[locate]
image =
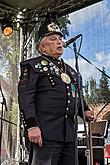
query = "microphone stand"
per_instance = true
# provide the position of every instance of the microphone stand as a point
(1, 123)
(80, 93)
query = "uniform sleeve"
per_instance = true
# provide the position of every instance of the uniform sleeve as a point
(27, 89)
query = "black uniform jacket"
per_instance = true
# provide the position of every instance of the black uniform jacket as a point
(45, 100)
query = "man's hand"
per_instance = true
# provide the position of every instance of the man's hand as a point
(34, 135)
(89, 115)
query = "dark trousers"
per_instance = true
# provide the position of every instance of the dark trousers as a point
(53, 153)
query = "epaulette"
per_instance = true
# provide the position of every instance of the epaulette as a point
(26, 65)
(30, 61)
(38, 64)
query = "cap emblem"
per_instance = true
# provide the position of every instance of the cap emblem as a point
(53, 27)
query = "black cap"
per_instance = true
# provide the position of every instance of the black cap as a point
(48, 27)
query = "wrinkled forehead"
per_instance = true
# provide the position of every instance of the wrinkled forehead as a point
(53, 35)
(49, 37)
(57, 35)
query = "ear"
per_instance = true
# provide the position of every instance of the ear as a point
(42, 48)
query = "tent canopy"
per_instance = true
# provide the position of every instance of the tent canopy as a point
(39, 7)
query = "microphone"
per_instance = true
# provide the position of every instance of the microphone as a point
(65, 44)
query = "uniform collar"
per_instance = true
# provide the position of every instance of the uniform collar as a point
(56, 60)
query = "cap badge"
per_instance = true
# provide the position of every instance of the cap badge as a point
(53, 27)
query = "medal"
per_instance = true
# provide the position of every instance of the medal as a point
(65, 78)
(44, 62)
(38, 65)
(51, 64)
(45, 69)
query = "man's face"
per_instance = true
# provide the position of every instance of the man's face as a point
(52, 45)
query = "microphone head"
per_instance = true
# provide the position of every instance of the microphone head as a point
(67, 43)
(64, 44)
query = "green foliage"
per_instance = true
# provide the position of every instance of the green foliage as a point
(104, 92)
(13, 116)
(9, 62)
(87, 91)
(96, 94)
(64, 21)
(93, 92)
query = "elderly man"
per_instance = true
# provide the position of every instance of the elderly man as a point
(47, 99)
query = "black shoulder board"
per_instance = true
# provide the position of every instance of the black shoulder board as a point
(26, 66)
(25, 72)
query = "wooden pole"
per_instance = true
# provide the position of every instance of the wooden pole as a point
(90, 141)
